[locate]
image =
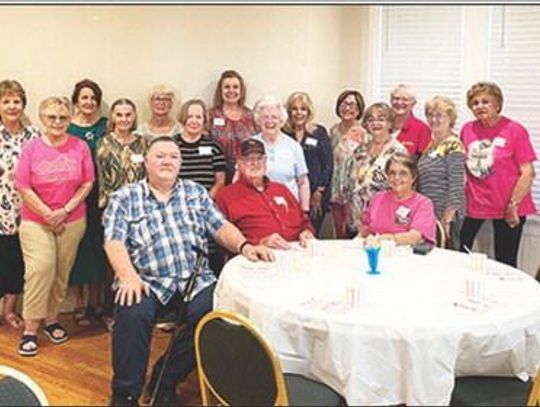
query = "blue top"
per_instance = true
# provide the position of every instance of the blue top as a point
(160, 236)
(285, 162)
(319, 158)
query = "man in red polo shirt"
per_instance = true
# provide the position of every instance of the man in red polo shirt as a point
(265, 211)
(414, 134)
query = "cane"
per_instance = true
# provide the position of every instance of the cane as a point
(186, 299)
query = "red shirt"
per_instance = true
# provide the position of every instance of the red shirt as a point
(260, 213)
(415, 135)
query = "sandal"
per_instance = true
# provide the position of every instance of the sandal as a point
(81, 317)
(13, 320)
(25, 340)
(49, 331)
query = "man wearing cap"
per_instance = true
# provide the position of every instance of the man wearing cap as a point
(153, 231)
(414, 134)
(266, 212)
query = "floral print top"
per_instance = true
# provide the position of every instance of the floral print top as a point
(10, 200)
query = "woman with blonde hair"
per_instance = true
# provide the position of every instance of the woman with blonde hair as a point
(441, 168)
(231, 121)
(162, 101)
(315, 143)
(14, 135)
(54, 176)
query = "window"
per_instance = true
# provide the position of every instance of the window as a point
(421, 46)
(514, 61)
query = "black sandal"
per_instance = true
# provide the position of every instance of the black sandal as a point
(26, 339)
(55, 326)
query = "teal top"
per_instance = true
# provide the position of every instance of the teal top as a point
(91, 134)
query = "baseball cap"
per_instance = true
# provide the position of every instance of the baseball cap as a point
(252, 145)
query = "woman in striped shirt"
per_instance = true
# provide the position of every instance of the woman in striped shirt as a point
(442, 168)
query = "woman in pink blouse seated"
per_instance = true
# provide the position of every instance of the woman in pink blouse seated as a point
(401, 213)
(54, 175)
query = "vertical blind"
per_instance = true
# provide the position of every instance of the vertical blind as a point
(422, 46)
(514, 64)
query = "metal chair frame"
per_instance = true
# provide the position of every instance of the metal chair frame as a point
(27, 381)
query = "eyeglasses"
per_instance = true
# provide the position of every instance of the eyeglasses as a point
(398, 174)
(56, 118)
(400, 99)
(436, 116)
(348, 104)
(161, 99)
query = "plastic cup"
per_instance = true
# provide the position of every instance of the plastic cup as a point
(388, 248)
(478, 262)
(373, 259)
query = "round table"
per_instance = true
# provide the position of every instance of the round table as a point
(410, 330)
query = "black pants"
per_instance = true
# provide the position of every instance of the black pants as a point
(132, 336)
(506, 238)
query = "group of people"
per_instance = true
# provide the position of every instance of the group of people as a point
(96, 201)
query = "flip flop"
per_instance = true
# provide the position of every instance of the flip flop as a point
(49, 331)
(26, 339)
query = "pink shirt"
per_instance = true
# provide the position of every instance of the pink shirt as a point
(386, 214)
(415, 135)
(54, 174)
(493, 158)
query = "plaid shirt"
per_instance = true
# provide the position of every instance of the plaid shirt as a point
(160, 236)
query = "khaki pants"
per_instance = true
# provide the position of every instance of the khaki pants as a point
(48, 259)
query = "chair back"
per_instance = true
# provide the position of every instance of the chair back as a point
(235, 364)
(18, 389)
(534, 394)
(441, 235)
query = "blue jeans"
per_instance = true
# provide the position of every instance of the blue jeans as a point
(132, 336)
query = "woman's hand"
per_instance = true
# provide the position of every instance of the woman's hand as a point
(511, 216)
(275, 241)
(305, 236)
(130, 289)
(315, 203)
(56, 217)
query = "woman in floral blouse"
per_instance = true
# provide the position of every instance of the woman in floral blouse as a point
(367, 171)
(14, 134)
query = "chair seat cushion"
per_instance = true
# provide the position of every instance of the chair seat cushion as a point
(490, 391)
(303, 391)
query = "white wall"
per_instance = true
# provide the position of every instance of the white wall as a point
(127, 49)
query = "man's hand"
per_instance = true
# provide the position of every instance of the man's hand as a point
(305, 236)
(130, 289)
(275, 241)
(259, 252)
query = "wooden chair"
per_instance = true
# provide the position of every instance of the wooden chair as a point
(18, 389)
(236, 366)
(441, 235)
(496, 391)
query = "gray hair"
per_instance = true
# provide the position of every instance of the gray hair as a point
(270, 101)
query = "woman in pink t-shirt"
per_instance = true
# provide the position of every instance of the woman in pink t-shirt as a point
(54, 175)
(499, 157)
(401, 213)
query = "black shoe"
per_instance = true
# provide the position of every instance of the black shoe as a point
(123, 400)
(167, 397)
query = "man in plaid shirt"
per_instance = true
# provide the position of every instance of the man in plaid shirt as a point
(152, 230)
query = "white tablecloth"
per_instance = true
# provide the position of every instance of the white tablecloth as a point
(412, 332)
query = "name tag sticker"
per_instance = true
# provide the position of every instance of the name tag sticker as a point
(219, 121)
(205, 150)
(310, 141)
(137, 158)
(432, 154)
(280, 200)
(402, 211)
(499, 142)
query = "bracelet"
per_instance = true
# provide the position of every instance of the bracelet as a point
(241, 247)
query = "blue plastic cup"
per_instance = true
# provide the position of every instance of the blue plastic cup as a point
(373, 259)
